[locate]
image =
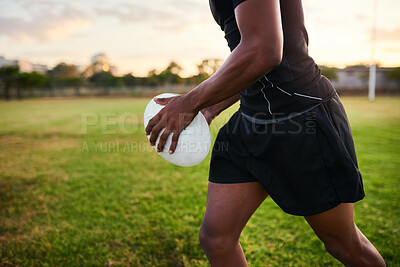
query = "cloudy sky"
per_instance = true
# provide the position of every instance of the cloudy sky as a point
(141, 35)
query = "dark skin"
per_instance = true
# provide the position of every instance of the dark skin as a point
(229, 206)
(209, 113)
(260, 50)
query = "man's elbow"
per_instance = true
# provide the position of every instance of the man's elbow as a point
(276, 58)
(271, 56)
(265, 56)
(266, 60)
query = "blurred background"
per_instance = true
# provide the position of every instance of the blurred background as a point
(81, 186)
(129, 46)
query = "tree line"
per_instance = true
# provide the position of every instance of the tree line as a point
(13, 82)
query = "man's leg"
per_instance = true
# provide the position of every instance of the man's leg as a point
(342, 238)
(229, 207)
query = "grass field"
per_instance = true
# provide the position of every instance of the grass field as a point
(80, 186)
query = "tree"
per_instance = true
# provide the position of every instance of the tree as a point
(330, 73)
(174, 68)
(205, 69)
(75, 82)
(152, 78)
(105, 80)
(209, 66)
(394, 74)
(63, 70)
(31, 80)
(171, 74)
(8, 78)
(65, 75)
(129, 80)
(99, 63)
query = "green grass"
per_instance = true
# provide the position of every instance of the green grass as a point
(71, 198)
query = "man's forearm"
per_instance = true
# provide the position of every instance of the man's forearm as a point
(216, 109)
(213, 111)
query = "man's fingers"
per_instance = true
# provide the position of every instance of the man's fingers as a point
(152, 122)
(174, 142)
(154, 133)
(163, 140)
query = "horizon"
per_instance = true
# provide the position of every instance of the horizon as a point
(73, 32)
(116, 74)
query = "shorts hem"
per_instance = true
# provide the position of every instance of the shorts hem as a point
(239, 181)
(320, 210)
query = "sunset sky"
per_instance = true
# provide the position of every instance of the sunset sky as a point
(142, 35)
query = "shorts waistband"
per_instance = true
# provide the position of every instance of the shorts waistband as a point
(271, 121)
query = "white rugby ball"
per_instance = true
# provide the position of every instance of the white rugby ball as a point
(194, 141)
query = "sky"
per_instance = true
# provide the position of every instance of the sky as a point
(139, 36)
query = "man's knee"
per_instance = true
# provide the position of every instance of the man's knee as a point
(216, 241)
(336, 248)
(348, 251)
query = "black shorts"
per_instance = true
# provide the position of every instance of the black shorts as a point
(307, 163)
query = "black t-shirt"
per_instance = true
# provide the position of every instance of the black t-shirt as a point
(293, 86)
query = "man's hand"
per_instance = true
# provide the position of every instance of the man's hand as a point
(174, 117)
